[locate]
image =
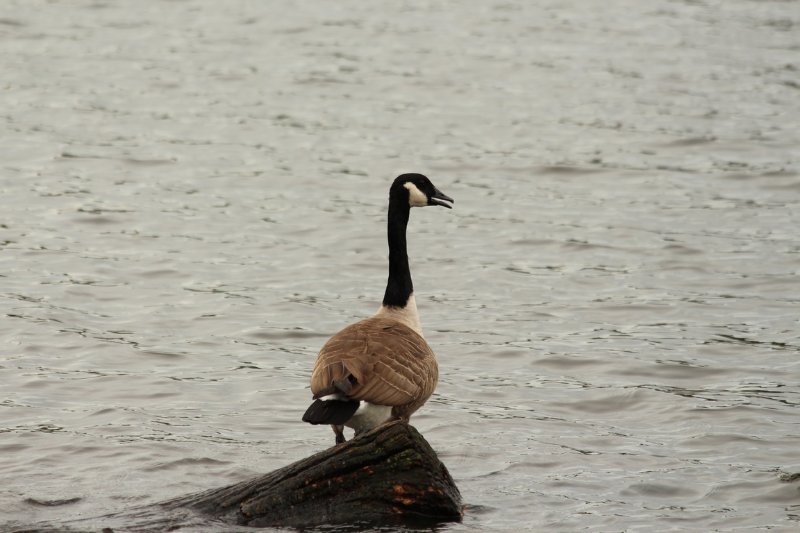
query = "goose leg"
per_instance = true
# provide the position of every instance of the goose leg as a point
(339, 432)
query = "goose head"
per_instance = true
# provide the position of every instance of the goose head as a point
(420, 191)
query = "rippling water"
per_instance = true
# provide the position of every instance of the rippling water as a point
(194, 198)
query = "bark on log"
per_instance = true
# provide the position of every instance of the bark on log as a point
(390, 475)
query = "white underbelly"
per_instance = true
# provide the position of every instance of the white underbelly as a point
(369, 415)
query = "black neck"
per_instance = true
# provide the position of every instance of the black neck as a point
(399, 286)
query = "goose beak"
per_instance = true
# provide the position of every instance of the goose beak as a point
(440, 198)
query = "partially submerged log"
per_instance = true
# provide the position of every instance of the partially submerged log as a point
(390, 475)
(387, 477)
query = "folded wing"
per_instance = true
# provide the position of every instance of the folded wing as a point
(380, 361)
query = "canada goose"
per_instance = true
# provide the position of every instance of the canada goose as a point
(380, 368)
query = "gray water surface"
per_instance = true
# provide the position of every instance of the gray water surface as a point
(193, 200)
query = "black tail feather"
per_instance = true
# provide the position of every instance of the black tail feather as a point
(330, 411)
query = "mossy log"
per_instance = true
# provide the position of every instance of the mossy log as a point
(390, 475)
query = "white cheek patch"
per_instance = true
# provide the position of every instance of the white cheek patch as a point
(416, 198)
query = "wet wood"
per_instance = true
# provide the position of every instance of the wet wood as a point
(390, 475)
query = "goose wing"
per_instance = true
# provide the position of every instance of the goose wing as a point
(377, 360)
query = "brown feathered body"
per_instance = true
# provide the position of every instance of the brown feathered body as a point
(380, 361)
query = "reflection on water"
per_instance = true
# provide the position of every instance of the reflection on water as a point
(194, 200)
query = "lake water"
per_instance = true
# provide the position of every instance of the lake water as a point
(193, 200)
